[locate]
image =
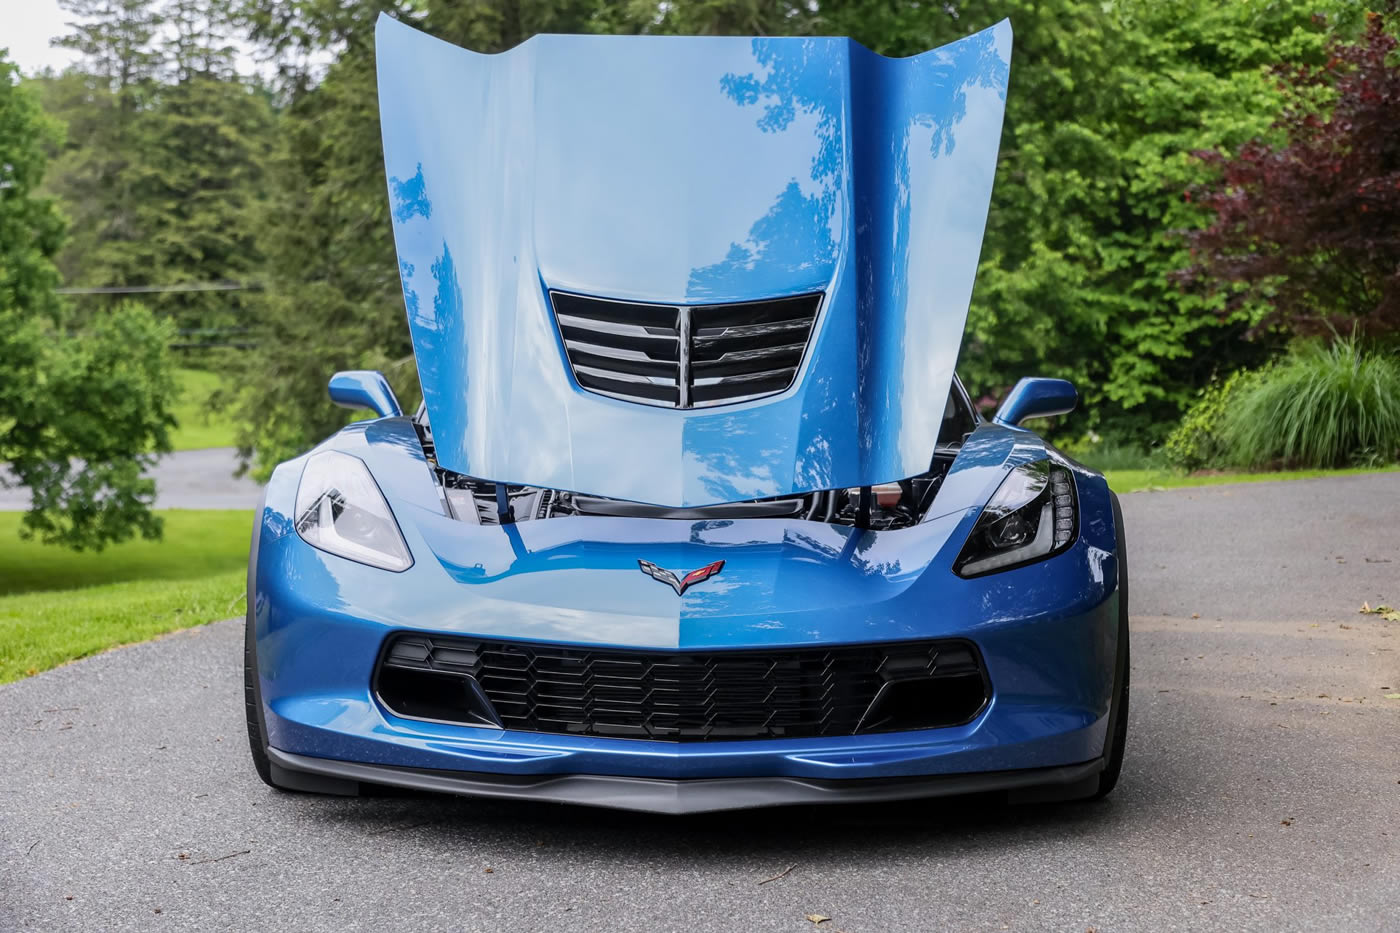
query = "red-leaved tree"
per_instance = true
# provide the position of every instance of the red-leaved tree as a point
(1309, 227)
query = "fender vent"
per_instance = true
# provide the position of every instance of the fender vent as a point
(685, 356)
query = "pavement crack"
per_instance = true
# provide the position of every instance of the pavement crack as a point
(206, 861)
(781, 874)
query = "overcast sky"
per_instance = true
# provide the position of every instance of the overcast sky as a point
(26, 26)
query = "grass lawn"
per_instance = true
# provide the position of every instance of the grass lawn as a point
(1135, 480)
(57, 605)
(198, 428)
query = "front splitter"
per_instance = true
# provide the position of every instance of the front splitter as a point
(654, 795)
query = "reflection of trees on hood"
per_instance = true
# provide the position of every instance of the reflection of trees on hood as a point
(796, 232)
(858, 542)
(410, 197)
(804, 78)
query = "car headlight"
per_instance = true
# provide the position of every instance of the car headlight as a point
(1033, 515)
(341, 510)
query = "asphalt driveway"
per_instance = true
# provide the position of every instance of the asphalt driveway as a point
(1261, 789)
(185, 479)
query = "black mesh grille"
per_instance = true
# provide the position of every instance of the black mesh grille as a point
(685, 356)
(686, 696)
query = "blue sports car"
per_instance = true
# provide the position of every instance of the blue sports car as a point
(695, 514)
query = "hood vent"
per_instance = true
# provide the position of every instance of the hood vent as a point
(685, 356)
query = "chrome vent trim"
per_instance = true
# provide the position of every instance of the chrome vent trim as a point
(685, 356)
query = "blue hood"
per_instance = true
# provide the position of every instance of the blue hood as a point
(688, 171)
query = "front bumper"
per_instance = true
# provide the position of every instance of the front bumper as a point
(1051, 679)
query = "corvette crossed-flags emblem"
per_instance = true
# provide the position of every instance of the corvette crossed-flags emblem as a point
(684, 583)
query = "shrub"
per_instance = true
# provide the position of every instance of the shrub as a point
(1197, 441)
(1323, 405)
(1110, 453)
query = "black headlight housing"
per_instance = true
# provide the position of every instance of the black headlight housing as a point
(1033, 515)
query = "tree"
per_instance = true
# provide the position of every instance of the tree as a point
(102, 172)
(333, 299)
(162, 170)
(115, 37)
(212, 137)
(1308, 223)
(80, 413)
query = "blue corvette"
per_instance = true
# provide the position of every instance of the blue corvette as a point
(695, 514)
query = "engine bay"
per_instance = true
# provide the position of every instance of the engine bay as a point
(883, 507)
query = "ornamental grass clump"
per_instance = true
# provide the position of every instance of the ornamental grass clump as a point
(1323, 405)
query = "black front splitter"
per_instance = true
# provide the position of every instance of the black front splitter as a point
(691, 795)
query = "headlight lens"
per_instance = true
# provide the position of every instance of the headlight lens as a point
(1033, 515)
(341, 510)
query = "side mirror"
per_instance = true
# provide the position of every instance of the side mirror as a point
(365, 388)
(1036, 398)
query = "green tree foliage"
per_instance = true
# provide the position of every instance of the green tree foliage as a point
(1198, 441)
(103, 174)
(163, 169)
(333, 299)
(115, 39)
(79, 413)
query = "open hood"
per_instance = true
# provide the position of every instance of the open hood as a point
(593, 233)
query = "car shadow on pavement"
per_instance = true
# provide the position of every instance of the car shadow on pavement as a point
(456, 823)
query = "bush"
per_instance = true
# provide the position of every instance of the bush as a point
(1197, 442)
(1323, 405)
(1110, 453)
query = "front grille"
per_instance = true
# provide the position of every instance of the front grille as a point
(685, 356)
(683, 696)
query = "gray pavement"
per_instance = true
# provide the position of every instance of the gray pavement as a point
(186, 479)
(1261, 789)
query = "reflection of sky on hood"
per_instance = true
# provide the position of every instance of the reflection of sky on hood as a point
(688, 170)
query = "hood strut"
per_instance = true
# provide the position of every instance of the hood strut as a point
(503, 509)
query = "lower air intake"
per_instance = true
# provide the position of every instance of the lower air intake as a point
(683, 696)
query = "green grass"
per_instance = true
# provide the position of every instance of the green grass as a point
(198, 428)
(1134, 480)
(57, 605)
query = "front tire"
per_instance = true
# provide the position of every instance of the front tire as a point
(252, 696)
(1118, 713)
(252, 703)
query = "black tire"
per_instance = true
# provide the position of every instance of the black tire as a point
(257, 740)
(1118, 714)
(252, 696)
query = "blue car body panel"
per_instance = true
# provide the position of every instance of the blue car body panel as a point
(688, 171)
